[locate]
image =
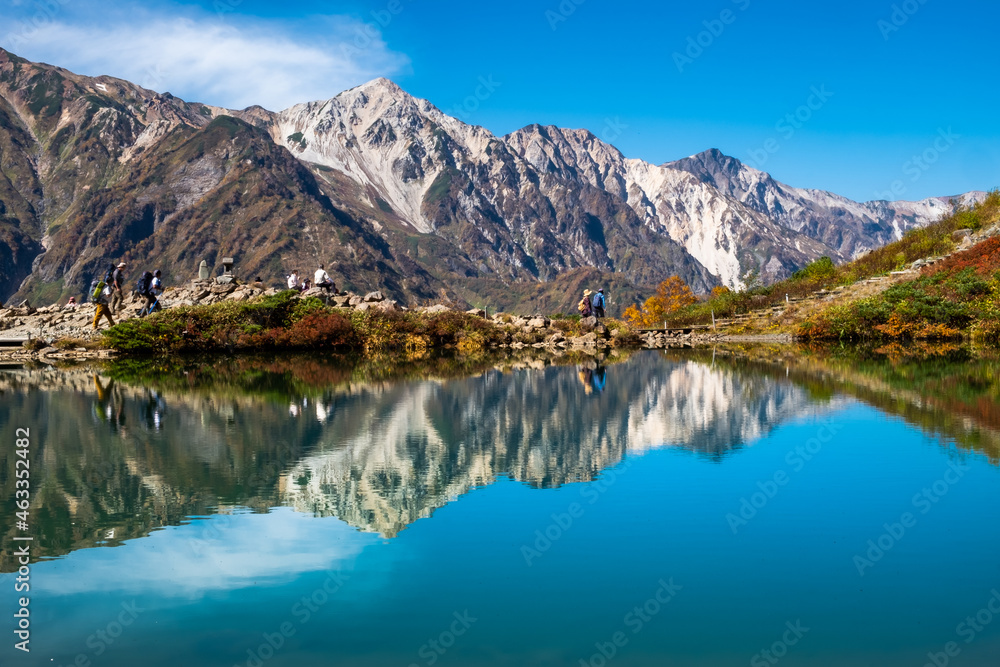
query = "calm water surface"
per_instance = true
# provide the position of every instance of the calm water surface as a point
(673, 509)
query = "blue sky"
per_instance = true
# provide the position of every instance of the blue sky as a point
(869, 85)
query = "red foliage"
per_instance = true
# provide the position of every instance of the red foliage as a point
(983, 257)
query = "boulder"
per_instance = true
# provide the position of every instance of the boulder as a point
(362, 307)
(386, 306)
(435, 309)
(478, 312)
(356, 301)
(539, 322)
(318, 292)
(374, 296)
(341, 301)
(588, 323)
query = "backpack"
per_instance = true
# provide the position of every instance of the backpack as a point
(110, 274)
(98, 289)
(142, 287)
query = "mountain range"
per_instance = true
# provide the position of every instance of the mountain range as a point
(391, 194)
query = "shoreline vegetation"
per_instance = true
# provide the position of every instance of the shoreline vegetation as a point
(940, 282)
(287, 321)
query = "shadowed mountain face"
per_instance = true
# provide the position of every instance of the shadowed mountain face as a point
(125, 459)
(389, 193)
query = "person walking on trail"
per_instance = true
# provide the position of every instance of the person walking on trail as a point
(322, 279)
(103, 309)
(584, 306)
(599, 304)
(142, 289)
(118, 287)
(153, 290)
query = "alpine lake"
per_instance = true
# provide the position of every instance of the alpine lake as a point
(693, 507)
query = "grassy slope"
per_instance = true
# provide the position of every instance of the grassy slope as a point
(946, 298)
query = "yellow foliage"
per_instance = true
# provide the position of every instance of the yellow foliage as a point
(671, 295)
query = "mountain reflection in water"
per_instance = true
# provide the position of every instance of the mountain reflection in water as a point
(116, 456)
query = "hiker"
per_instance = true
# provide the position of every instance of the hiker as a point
(305, 286)
(293, 281)
(258, 283)
(71, 304)
(599, 304)
(584, 305)
(143, 288)
(322, 279)
(153, 292)
(102, 299)
(118, 287)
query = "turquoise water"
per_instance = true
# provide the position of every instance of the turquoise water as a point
(675, 512)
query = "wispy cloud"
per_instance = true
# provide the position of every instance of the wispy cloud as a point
(225, 60)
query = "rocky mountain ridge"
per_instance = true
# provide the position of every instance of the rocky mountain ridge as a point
(389, 192)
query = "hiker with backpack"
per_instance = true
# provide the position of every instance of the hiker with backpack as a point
(599, 304)
(584, 305)
(142, 288)
(118, 287)
(150, 287)
(102, 297)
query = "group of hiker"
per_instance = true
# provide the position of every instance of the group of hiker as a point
(592, 305)
(321, 279)
(109, 294)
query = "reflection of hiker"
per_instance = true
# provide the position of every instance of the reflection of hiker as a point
(599, 378)
(599, 304)
(103, 309)
(102, 408)
(322, 279)
(117, 287)
(586, 379)
(584, 305)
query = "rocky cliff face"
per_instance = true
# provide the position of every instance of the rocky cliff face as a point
(389, 192)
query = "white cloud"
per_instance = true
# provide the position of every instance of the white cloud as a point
(233, 62)
(225, 552)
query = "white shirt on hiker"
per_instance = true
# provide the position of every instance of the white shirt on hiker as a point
(293, 281)
(321, 277)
